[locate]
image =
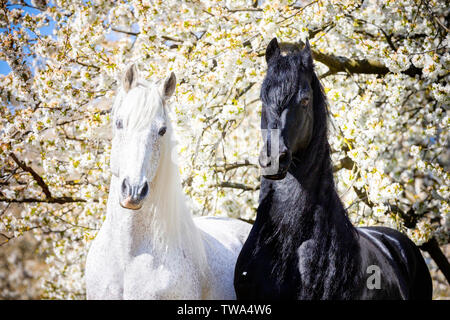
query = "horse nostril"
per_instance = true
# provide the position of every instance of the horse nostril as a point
(144, 190)
(125, 187)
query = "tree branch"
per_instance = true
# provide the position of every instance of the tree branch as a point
(45, 189)
(33, 173)
(85, 64)
(339, 63)
(131, 33)
(344, 163)
(356, 66)
(59, 200)
(171, 39)
(232, 166)
(245, 10)
(235, 185)
(250, 221)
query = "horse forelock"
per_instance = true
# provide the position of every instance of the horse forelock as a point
(139, 106)
(283, 76)
(281, 82)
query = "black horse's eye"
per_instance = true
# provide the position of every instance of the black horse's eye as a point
(119, 124)
(162, 131)
(304, 102)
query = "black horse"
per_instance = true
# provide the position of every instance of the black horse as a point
(302, 245)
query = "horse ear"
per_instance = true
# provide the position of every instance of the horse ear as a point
(307, 56)
(273, 49)
(130, 78)
(169, 86)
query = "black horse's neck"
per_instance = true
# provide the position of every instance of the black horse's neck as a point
(305, 206)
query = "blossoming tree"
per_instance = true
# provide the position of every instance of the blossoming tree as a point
(384, 66)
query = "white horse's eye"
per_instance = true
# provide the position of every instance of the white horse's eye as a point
(119, 124)
(162, 131)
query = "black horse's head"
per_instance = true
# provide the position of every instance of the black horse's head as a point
(287, 106)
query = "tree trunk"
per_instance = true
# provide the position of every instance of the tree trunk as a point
(432, 247)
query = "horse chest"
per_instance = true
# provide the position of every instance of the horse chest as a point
(145, 278)
(259, 278)
(111, 273)
(103, 271)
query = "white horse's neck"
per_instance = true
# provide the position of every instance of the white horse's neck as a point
(163, 225)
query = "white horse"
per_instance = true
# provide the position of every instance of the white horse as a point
(149, 246)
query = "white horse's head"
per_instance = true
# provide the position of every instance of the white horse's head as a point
(140, 122)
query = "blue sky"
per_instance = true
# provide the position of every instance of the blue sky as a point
(48, 30)
(4, 67)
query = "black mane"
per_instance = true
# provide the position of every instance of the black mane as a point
(305, 206)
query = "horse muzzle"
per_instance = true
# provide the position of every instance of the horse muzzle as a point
(278, 176)
(132, 195)
(275, 170)
(129, 203)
